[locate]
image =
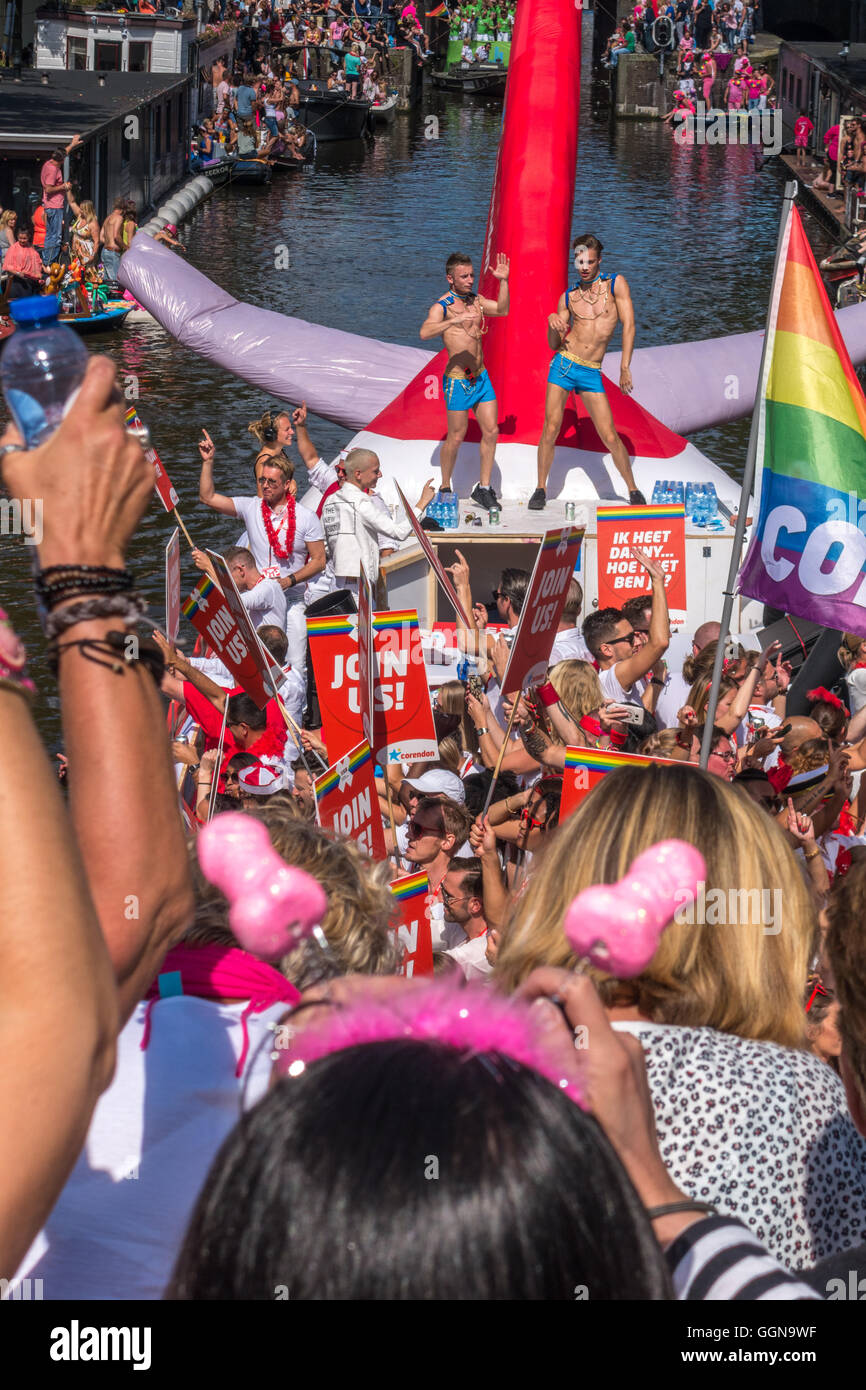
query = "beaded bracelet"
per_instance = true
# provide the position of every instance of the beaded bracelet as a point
(108, 606)
(77, 581)
(120, 649)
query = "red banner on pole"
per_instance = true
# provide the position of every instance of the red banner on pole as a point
(207, 611)
(433, 559)
(585, 767)
(366, 660)
(411, 892)
(161, 481)
(172, 586)
(267, 667)
(347, 801)
(403, 725)
(660, 531)
(542, 608)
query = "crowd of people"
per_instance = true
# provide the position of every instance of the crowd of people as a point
(713, 1117)
(694, 26)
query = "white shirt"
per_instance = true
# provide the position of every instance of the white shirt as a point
(118, 1224)
(614, 691)
(568, 645)
(671, 699)
(266, 603)
(213, 668)
(307, 528)
(353, 526)
(471, 956)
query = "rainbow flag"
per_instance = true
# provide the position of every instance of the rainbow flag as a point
(400, 618)
(355, 760)
(659, 511)
(606, 759)
(434, 14)
(201, 590)
(410, 886)
(807, 553)
(322, 627)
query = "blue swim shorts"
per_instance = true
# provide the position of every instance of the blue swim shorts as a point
(465, 393)
(571, 376)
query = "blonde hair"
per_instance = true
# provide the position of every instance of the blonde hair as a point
(267, 421)
(739, 979)
(450, 753)
(281, 461)
(87, 211)
(578, 686)
(699, 695)
(451, 699)
(7, 216)
(668, 743)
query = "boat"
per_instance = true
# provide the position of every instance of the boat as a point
(383, 112)
(100, 322)
(473, 79)
(332, 115)
(250, 171)
(217, 170)
(285, 162)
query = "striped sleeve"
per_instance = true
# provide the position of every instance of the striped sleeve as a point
(719, 1259)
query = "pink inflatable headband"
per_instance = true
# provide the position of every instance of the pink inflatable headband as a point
(469, 1018)
(272, 906)
(617, 926)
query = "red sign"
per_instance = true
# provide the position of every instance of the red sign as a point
(347, 801)
(413, 930)
(435, 563)
(235, 605)
(172, 586)
(207, 611)
(161, 481)
(542, 608)
(366, 666)
(660, 532)
(403, 727)
(585, 767)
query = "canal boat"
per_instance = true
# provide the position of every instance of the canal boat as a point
(332, 115)
(285, 162)
(217, 170)
(250, 171)
(111, 317)
(473, 79)
(383, 112)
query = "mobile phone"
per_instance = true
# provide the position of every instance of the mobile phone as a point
(782, 731)
(475, 686)
(631, 714)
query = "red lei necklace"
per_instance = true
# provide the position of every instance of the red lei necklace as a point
(281, 552)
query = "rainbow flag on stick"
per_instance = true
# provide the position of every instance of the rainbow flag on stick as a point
(808, 555)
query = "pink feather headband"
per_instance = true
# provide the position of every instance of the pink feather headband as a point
(470, 1018)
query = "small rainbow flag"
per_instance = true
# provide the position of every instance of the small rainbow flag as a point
(606, 759)
(553, 539)
(321, 627)
(404, 617)
(354, 760)
(131, 416)
(434, 14)
(807, 554)
(662, 511)
(201, 590)
(410, 886)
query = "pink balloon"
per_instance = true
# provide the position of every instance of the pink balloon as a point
(619, 925)
(272, 906)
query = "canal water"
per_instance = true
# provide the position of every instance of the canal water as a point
(367, 231)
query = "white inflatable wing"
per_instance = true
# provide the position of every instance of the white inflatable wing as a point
(342, 376)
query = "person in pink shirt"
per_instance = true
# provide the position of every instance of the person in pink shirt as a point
(831, 145)
(53, 199)
(735, 93)
(803, 128)
(23, 264)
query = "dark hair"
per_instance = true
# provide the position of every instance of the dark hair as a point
(238, 761)
(634, 608)
(513, 585)
(830, 720)
(275, 640)
(470, 875)
(592, 243)
(477, 786)
(456, 258)
(242, 709)
(555, 1212)
(600, 627)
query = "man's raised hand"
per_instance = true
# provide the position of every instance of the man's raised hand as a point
(502, 268)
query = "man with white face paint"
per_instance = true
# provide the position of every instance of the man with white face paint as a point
(579, 332)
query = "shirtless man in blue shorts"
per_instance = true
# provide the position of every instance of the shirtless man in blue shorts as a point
(580, 331)
(459, 317)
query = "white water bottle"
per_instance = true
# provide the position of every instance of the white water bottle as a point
(42, 367)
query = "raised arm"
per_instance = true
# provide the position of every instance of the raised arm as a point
(498, 308)
(630, 670)
(206, 490)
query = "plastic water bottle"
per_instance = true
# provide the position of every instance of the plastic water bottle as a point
(455, 511)
(657, 493)
(42, 367)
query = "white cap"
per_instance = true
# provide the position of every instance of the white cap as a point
(260, 781)
(438, 782)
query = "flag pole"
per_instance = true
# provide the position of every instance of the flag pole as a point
(745, 491)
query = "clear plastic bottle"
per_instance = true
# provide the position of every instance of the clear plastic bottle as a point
(454, 507)
(42, 367)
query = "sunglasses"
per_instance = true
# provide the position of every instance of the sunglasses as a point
(729, 757)
(416, 829)
(530, 820)
(631, 638)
